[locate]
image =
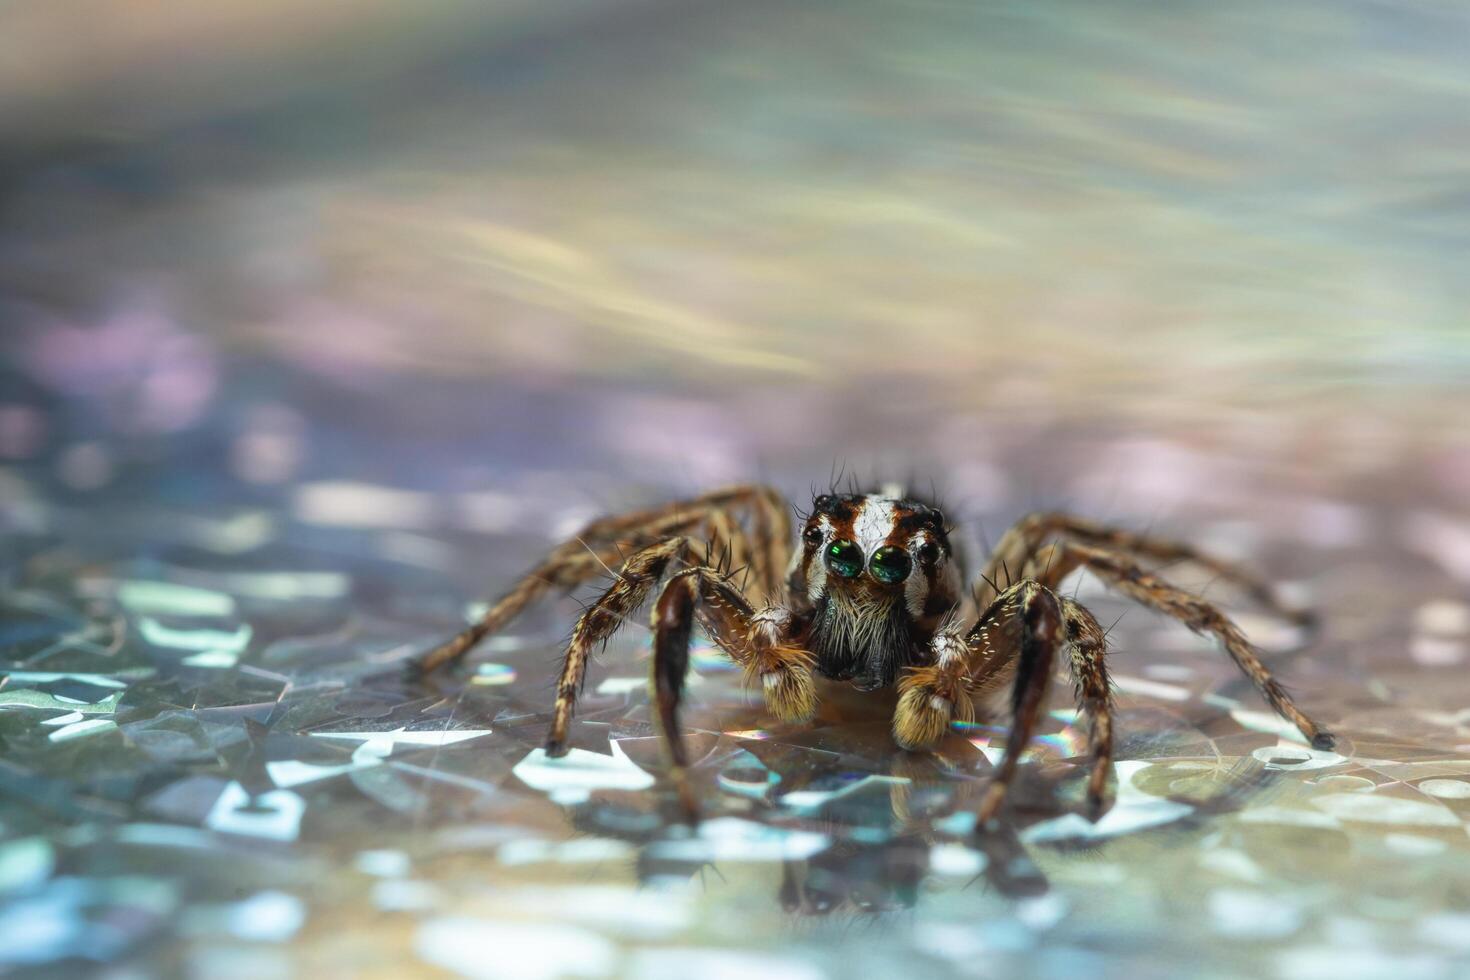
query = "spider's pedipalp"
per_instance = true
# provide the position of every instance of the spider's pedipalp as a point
(781, 667)
(933, 696)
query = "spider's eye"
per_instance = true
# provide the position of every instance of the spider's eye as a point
(812, 535)
(928, 552)
(845, 558)
(890, 564)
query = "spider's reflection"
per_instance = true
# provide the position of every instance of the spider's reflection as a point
(850, 875)
(880, 836)
(858, 877)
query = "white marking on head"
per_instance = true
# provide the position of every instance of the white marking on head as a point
(874, 522)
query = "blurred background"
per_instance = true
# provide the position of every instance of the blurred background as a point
(1187, 219)
(340, 313)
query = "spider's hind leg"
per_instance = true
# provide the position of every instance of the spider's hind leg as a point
(557, 572)
(1201, 617)
(1036, 547)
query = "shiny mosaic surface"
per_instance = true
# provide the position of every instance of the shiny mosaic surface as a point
(312, 345)
(212, 759)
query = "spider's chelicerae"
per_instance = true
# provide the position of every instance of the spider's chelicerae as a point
(872, 594)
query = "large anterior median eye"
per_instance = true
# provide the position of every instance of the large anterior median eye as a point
(890, 564)
(845, 558)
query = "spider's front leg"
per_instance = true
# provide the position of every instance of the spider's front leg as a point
(758, 642)
(1023, 628)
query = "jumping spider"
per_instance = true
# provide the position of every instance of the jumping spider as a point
(872, 595)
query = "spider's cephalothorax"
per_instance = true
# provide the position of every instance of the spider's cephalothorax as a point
(874, 577)
(872, 595)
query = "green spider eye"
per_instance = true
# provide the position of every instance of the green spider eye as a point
(890, 564)
(845, 558)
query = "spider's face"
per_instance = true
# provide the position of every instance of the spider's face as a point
(873, 548)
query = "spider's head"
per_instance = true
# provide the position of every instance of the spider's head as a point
(873, 548)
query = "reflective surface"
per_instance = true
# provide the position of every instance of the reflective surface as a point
(309, 350)
(212, 760)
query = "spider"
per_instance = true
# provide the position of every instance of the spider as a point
(872, 595)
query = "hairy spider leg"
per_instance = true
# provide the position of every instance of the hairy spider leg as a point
(1040, 614)
(1089, 646)
(1025, 546)
(726, 617)
(605, 541)
(771, 518)
(1199, 615)
(1021, 629)
(673, 620)
(629, 590)
(730, 546)
(554, 574)
(759, 642)
(766, 508)
(619, 526)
